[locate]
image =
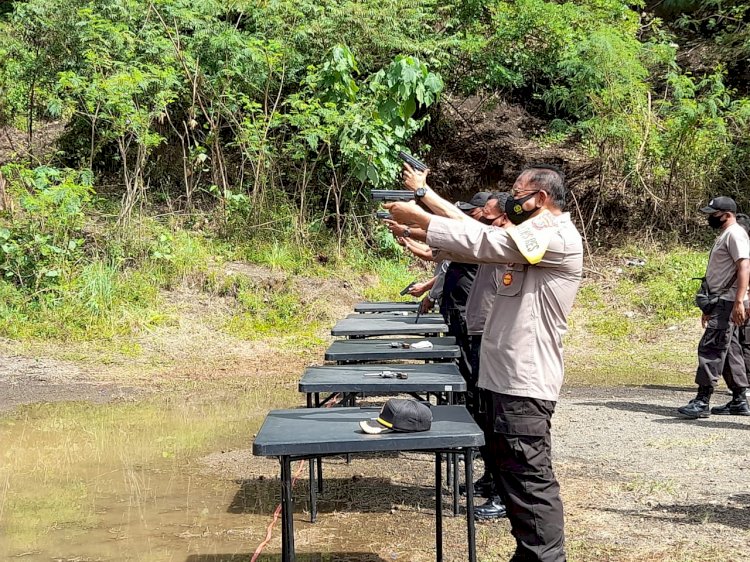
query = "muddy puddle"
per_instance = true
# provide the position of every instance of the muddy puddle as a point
(129, 481)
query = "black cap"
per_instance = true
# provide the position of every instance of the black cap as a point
(399, 414)
(720, 204)
(477, 201)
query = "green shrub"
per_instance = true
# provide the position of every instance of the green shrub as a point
(43, 239)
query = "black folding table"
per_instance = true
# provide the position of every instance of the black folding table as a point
(440, 379)
(367, 325)
(358, 350)
(367, 307)
(308, 433)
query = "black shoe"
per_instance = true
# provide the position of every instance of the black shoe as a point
(492, 509)
(484, 487)
(696, 408)
(732, 408)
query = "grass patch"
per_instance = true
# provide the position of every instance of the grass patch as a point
(392, 277)
(274, 312)
(637, 323)
(643, 487)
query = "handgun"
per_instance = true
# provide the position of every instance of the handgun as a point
(384, 215)
(413, 162)
(407, 288)
(388, 375)
(392, 195)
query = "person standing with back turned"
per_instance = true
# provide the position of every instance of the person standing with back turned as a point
(521, 361)
(720, 350)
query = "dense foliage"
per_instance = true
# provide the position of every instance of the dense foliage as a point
(274, 119)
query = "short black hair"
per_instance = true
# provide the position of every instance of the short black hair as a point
(549, 178)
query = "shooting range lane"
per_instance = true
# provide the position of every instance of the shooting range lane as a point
(380, 350)
(375, 325)
(367, 307)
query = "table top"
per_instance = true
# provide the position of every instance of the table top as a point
(386, 306)
(377, 325)
(433, 377)
(332, 431)
(380, 350)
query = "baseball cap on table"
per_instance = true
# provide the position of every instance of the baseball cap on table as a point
(399, 414)
(478, 200)
(720, 204)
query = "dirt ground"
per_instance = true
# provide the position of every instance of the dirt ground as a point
(639, 483)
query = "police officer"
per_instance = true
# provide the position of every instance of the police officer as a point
(720, 351)
(521, 355)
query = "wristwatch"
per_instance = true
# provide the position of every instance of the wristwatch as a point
(420, 192)
(406, 233)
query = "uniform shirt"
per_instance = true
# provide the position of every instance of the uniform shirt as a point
(522, 344)
(731, 245)
(459, 278)
(436, 293)
(480, 299)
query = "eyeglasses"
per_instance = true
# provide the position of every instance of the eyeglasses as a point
(524, 192)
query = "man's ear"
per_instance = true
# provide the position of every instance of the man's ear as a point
(542, 197)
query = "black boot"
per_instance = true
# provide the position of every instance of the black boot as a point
(737, 406)
(492, 509)
(698, 406)
(484, 487)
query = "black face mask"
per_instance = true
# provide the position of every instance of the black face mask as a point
(716, 222)
(514, 209)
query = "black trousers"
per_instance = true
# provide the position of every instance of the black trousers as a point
(526, 482)
(457, 329)
(479, 404)
(724, 350)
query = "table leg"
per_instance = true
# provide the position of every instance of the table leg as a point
(471, 530)
(448, 475)
(313, 492)
(319, 460)
(287, 508)
(439, 507)
(455, 484)
(313, 484)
